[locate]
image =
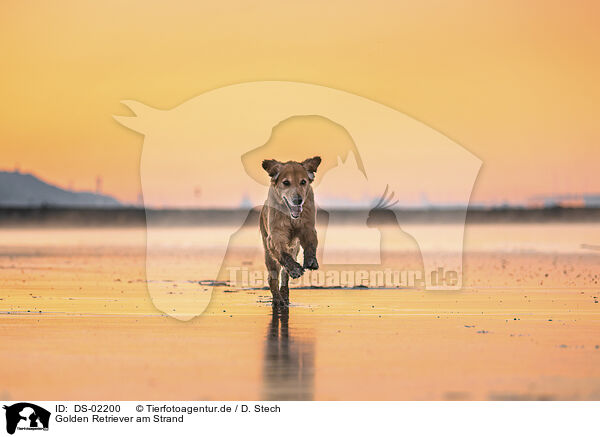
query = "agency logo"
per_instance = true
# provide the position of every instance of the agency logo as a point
(24, 416)
(206, 153)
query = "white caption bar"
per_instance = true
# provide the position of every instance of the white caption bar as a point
(21, 418)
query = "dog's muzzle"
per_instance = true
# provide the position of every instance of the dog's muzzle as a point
(295, 210)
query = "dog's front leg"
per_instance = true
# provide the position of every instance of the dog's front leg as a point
(288, 262)
(278, 245)
(309, 242)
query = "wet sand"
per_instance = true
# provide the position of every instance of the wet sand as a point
(76, 322)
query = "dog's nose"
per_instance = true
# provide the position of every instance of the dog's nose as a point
(297, 200)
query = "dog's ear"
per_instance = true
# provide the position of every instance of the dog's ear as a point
(311, 165)
(272, 167)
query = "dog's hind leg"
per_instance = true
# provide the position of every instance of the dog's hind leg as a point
(284, 290)
(273, 268)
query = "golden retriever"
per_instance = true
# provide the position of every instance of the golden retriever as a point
(287, 221)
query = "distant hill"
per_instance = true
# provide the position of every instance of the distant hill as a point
(25, 190)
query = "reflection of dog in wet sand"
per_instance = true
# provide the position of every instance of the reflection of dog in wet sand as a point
(289, 363)
(287, 221)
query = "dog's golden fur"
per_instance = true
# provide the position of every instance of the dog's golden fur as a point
(287, 222)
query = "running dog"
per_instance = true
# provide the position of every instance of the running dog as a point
(287, 221)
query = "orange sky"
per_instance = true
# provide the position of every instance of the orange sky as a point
(514, 82)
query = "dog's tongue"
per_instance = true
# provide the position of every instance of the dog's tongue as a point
(296, 210)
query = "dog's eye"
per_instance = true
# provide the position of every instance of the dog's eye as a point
(286, 183)
(303, 182)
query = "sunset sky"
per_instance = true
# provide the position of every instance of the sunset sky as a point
(514, 82)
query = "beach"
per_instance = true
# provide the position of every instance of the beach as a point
(77, 322)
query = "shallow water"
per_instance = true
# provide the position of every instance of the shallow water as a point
(525, 326)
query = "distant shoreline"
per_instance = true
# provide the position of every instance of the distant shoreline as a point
(132, 217)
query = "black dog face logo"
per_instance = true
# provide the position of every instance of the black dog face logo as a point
(26, 416)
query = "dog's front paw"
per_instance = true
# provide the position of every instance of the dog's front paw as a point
(311, 263)
(295, 270)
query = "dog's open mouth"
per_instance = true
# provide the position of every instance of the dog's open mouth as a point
(295, 210)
